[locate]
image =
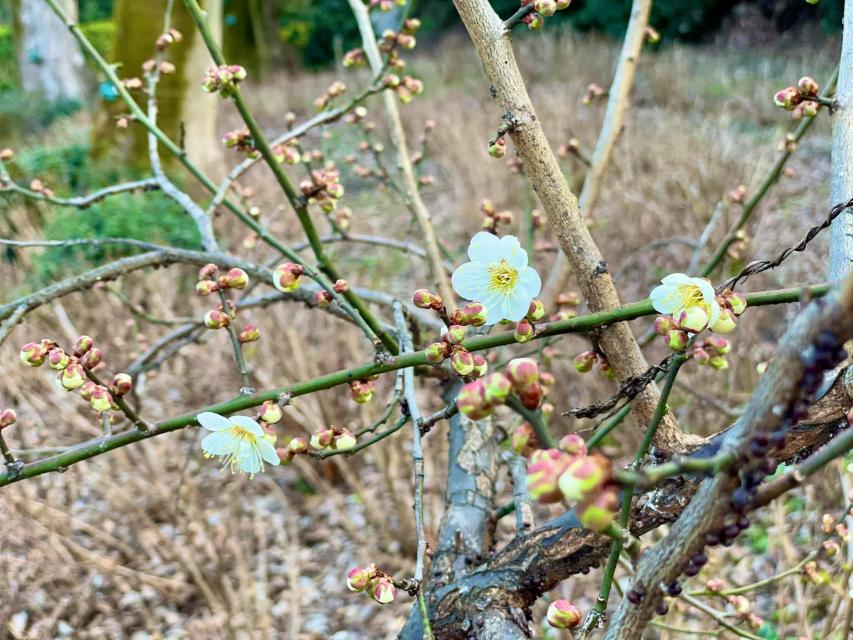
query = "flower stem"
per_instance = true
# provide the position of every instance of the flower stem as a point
(245, 388)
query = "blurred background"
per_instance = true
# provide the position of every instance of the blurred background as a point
(152, 541)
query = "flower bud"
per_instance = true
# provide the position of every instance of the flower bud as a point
(101, 399)
(6, 155)
(384, 592)
(827, 523)
(573, 444)
(208, 272)
(206, 287)
(676, 340)
(544, 469)
(693, 319)
(57, 359)
(720, 345)
(583, 476)
(121, 384)
(216, 319)
(497, 149)
(455, 334)
(831, 548)
(85, 390)
(563, 4)
(341, 286)
(808, 86)
(531, 396)
(584, 361)
(323, 299)
(523, 440)
(462, 362)
(7, 418)
(297, 445)
(250, 333)
(480, 366)
(82, 345)
(287, 277)
(715, 585)
(361, 391)
(725, 323)
(806, 109)
(474, 314)
(344, 440)
(422, 299)
(545, 7)
(562, 614)
(270, 412)
(523, 372)
(322, 438)
(598, 511)
(533, 21)
(436, 352)
(235, 279)
(497, 388)
(664, 324)
(471, 401)
(719, 363)
(523, 331)
(285, 455)
(359, 578)
(787, 98)
(33, 354)
(536, 311)
(700, 355)
(92, 358)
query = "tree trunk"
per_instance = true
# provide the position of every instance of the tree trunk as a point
(841, 237)
(49, 60)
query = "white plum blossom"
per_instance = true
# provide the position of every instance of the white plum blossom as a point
(497, 277)
(238, 441)
(680, 293)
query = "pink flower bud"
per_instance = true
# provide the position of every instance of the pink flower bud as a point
(725, 323)
(474, 314)
(536, 311)
(235, 279)
(573, 444)
(497, 149)
(523, 372)
(523, 331)
(85, 390)
(664, 324)
(677, 340)
(57, 359)
(480, 366)
(101, 399)
(250, 333)
(719, 345)
(359, 578)
(361, 391)
(787, 98)
(206, 287)
(323, 299)
(497, 388)
(436, 353)
(322, 438)
(344, 440)
(531, 396)
(216, 319)
(92, 358)
(700, 355)
(583, 476)
(121, 384)
(808, 86)
(545, 7)
(534, 21)
(384, 592)
(584, 361)
(471, 401)
(807, 109)
(285, 455)
(736, 301)
(562, 614)
(455, 334)
(33, 354)
(422, 299)
(411, 25)
(693, 319)
(287, 276)
(462, 362)
(7, 418)
(523, 439)
(544, 469)
(82, 345)
(341, 286)
(270, 412)
(598, 511)
(208, 272)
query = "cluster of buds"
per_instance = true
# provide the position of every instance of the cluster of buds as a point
(335, 90)
(586, 360)
(357, 115)
(8, 417)
(594, 91)
(370, 580)
(293, 447)
(492, 218)
(525, 328)
(567, 303)
(72, 370)
(223, 79)
(695, 319)
(164, 67)
(362, 391)
(712, 351)
(562, 614)
(332, 438)
(354, 58)
(287, 154)
(743, 611)
(541, 8)
(242, 141)
(324, 188)
(406, 87)
(210, 280)
(167, 39)
(737, 195)
(287, 277)
(479, 398)
(132, 84)
(405, 39)
(802, 100)
(37, 186)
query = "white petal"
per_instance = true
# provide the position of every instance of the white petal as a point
(515, 306)
(484, 247)
(665, 299)
(714, 315)
(248, 458)
(529, 280)
(213, 421)
(248, 424)
(267, 452)
(471, 280)
(677, 278)
(492, 301)
(219, 443)
(707, 290)
(512, 252)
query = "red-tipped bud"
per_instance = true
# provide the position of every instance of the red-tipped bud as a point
(664, 324)
(471, 401)
(573, 444)
(345, 440)
(82, 345)
(568, 299)
(92, 358)
(86, 388)
(285, 455)
(693, 319)
(121, 384)
(523, 439)
(322, 438)
(480, 366)
(474, 314)
(534, 21)
(436, 353)
(544, 469)
(216, 319)
(808, 86)
(455, 334)
(462, 362)
(545, 7)
(536, 311)
(270, 412)
(250, 333)
(7, 418)
(725, 323)
(523, 372)
(523, 331)
(57, 359)
(531, 396)
(298, 445)
(736, 301)
(719, 345)
(497, 388)
(497, 149)
(359, 578)
(584, 476)
(700, 355)
(235, 279)
(208, 272)
(584, 361)
(33, 354)
(101, 400)
(206, 287)
(562, 614)
(677, 339)
(423, 299)
(287, 276)
(323, 299)
(787, 98)
(598, 511)
(361, 391)
(341, 286)
(384, 592)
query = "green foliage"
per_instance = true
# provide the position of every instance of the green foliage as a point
(8, 67)
(28, 113)
(101, 33)
(90, 10)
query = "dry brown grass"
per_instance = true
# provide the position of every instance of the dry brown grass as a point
(153, 541)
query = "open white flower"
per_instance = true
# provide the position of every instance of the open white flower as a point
(239, 441)
(497, 277)
(679, 293)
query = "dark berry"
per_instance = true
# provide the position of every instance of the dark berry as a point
(712, 539)
(731, 531)
(743, 523)
(661, 609)
(634, 597)
(768, 465)
(740, 500)
(674, 589)
(727, 542)
(691, 570)
(700, 559)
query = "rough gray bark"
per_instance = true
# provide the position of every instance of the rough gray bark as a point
(49, 60)
(841, 236)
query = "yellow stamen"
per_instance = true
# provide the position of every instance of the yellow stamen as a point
(502, 277)
(691, 295)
